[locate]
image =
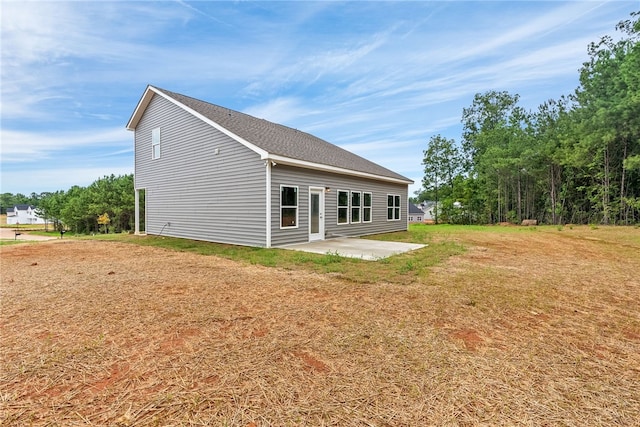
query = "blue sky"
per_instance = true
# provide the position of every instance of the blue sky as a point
(376, 78)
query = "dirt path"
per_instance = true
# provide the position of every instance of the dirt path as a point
(9, 233)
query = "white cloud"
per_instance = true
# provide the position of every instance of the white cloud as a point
(381, 145)
(23, 146)
(377, 78)
(530, 30)
(50, 50)
(280, 110)
(309, 68)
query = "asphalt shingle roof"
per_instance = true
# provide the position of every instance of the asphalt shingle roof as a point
(413, 209)
(23, 207)
(281, 140)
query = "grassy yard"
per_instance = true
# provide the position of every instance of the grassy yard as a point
(484, 326)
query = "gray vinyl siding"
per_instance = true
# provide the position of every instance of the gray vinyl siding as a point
(200, 194)
(305, 178)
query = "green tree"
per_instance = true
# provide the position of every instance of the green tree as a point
(9, 200)
(497, 140)
(608, 122)
(442, 163)
(50, 207)
(550, 125)
(74, 213)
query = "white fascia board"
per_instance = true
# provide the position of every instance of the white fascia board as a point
(333, 169)
(142, 105)
(224, 130)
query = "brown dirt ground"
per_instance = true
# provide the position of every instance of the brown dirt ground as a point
(523, 329)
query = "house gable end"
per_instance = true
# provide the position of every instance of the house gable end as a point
(200, 183)
(149, 94)
(273, 142)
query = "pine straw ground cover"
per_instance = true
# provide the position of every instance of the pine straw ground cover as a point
(524, 328)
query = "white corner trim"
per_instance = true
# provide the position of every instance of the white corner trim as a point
(268, 203)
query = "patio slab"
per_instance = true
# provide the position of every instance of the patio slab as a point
(370, 250)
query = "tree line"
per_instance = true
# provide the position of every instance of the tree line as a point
(107, 204)
(573, 160)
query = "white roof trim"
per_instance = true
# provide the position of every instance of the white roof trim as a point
(224, 130)
(326, 168)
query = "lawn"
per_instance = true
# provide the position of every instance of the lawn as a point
(485, 326)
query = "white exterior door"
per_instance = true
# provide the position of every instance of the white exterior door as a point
(316, 214)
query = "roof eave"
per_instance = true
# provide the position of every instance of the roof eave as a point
(146, 99)
(264, 155)
(141, 107)
(327, 168)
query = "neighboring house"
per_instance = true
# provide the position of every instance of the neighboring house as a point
(429, 209)
(23, 214)
(415, 213)
(192, 153)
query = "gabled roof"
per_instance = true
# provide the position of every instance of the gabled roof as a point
(413, 209)
(23, 207)
(274, 142)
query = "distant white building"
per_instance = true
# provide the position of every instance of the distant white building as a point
(429, 209)
(415, 213)
(23, 214)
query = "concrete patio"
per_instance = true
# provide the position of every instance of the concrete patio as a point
(370, 250)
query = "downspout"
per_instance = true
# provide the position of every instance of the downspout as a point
(268, 204)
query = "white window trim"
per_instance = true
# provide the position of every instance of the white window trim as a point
(367, 207)
(359, 207)
(348, 207)
(292, 227)
(156, 142)
(394, 207)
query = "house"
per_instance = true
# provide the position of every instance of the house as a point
(23, 214)
(212, 159)
(415, 214)
(429, 209)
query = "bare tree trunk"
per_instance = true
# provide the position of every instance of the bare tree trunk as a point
(605, 189)
(623, 215)
(499, 205)
(552, 194)
(519, 201)
(507, 203)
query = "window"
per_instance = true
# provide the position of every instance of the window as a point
(155, 143)
(343, 207)
(393, 207)
(288, 207)
(366, 207)
(355, 207)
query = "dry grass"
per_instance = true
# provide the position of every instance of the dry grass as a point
(525, 328)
